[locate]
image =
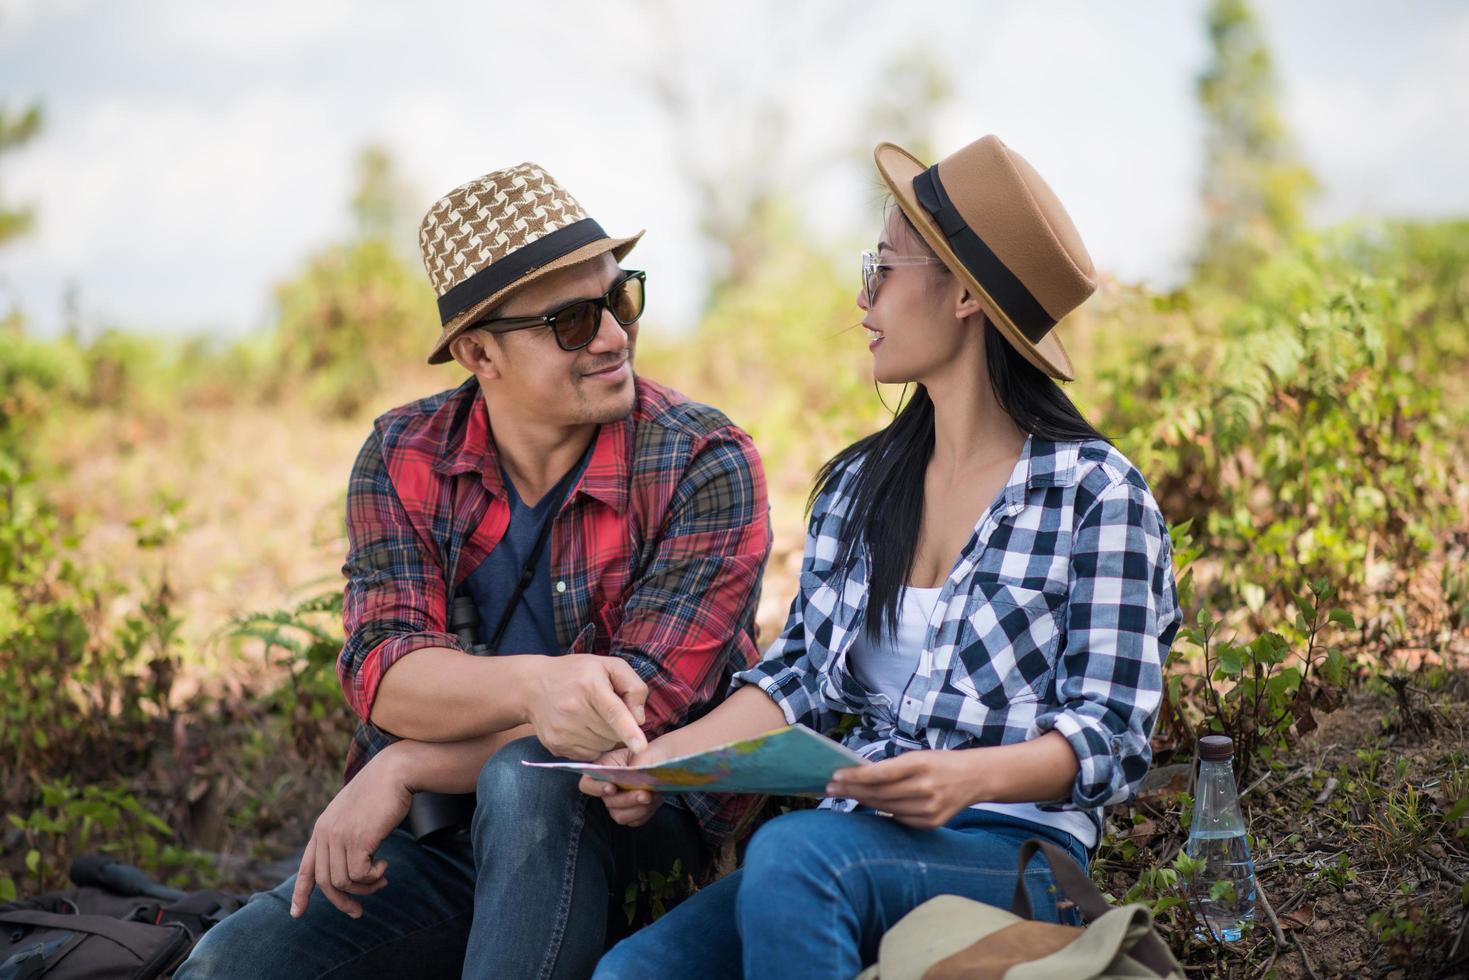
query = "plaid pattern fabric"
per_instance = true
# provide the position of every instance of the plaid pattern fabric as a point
(656, 555)
(1058, 615)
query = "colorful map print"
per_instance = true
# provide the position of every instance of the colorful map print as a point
(790, 761)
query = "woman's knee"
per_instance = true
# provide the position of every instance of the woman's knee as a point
(792, 845)
(795, 851)
(624, 961)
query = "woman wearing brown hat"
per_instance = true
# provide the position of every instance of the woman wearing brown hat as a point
(986, 590)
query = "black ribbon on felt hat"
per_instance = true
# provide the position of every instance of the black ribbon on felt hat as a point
(1003, 286)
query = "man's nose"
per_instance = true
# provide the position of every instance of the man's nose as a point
(611, 336)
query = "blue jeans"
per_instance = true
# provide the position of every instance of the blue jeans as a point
(819, 888)
(525, 894)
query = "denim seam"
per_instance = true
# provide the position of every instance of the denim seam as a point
(568, 885)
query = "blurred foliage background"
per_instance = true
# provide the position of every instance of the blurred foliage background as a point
(171, 510)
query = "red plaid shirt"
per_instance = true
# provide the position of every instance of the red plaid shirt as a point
(656, 555)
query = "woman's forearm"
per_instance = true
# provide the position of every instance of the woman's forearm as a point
(744, 714)
(1038, 771)
(448, 767)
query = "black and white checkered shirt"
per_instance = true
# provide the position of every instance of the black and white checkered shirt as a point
(1058, 615)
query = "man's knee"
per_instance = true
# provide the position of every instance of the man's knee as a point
(508, 790)
(505, 776)
(260, 930)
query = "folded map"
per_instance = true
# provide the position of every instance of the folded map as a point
(790, 761)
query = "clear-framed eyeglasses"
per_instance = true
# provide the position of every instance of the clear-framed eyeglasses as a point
(872, 267)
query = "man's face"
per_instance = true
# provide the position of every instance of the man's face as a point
(535, 379)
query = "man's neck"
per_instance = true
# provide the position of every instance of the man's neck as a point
(535, 456)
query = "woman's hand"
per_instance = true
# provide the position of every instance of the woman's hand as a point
(339, 857)
(923, 788)
(630, 808)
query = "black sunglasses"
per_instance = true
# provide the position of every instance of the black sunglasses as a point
(576, 323)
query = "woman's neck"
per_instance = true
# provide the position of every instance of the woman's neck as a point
(970, 429)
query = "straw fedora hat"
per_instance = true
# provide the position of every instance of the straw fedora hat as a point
(489, 237)
(999, 227)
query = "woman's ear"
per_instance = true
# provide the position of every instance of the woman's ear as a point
(968, 304)
(472, 350)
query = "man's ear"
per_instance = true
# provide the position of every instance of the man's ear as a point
(478, 353)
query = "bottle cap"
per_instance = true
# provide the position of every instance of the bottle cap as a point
(1216, 748)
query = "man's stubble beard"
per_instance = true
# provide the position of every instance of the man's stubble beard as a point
(614, 411)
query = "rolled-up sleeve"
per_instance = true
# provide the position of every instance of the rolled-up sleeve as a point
(395, 599)
(1121, 618)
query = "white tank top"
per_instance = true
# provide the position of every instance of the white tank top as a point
(888, 664)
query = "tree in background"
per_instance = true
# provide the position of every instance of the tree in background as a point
(361, 311)
(16, 129)
(913, 89)
(1255, 188)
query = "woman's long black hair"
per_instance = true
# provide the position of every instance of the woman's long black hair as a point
(887, 507)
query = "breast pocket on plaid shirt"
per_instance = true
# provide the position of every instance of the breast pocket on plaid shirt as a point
(1008, 644)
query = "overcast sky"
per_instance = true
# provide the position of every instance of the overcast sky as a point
(194, 153)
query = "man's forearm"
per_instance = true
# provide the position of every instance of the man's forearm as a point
(448, 767)
(442, 695)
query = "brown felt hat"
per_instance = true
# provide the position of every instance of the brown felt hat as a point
(998, 226)
(485, 239)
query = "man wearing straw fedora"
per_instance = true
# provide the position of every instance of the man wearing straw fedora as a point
(604, 534)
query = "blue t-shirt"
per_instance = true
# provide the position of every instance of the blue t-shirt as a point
(532, 627)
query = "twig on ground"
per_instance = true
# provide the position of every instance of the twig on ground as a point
(1291, 777)
(1291, 904)
(1251, 787)
(1327, 790)
(1458, 939)
(1441, 868)
(1279, 935)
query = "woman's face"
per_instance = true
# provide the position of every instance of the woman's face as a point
(913, 329)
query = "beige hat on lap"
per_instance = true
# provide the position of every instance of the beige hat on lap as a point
(999, 227)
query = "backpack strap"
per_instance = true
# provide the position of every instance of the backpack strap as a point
(123, 933)
(1077, 886)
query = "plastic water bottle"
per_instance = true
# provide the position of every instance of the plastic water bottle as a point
(1223, 894)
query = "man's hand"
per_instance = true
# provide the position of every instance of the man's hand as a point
(924, 788)
(339, 857)
(582, 705)
(630, 808)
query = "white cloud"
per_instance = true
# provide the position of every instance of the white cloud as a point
(244, 29)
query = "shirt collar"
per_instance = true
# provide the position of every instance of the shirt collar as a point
(469, 447)
(1042, 463)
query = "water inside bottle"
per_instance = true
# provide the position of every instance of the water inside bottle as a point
(1225, 908)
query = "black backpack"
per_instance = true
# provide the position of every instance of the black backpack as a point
(99, 932)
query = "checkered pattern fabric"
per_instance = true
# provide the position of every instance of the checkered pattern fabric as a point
(656, 555)
(1057, 615)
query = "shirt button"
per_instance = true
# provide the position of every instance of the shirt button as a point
(560, 586)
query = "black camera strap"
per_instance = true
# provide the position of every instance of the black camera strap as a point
(430, 814)
(527, 575)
